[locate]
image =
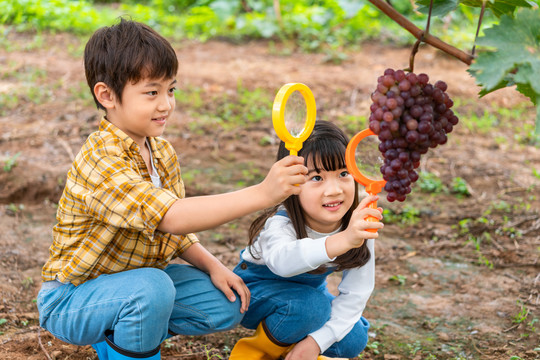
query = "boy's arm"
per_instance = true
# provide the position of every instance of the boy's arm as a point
(222, 278)
(200, 213)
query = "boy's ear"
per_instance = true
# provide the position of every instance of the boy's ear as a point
(105, 95)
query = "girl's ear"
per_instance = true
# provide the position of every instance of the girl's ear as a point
(105, 95)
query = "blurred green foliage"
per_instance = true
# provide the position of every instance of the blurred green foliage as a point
(315, 25)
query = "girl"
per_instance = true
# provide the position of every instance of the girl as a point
(295, 246)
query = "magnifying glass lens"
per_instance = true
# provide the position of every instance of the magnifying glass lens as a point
(295, 114)
(368, 158)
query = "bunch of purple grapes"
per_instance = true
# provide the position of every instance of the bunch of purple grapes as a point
(409, 115)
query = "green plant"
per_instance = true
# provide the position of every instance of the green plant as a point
(400, 279)
(11, 162)
(27, 282)
(459, 187)
(482, 259)
(521, 316)
(430, 183)
(409, 215)
(210, 353)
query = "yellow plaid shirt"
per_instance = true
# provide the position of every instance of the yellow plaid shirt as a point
(109, 210)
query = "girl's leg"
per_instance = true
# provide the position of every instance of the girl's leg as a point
(135, 304)
(290, 310)
(199, 307)
(352, 344)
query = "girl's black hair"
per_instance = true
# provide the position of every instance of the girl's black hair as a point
(326, 148)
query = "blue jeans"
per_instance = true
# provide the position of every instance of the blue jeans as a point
(294, 307)
(141, 306)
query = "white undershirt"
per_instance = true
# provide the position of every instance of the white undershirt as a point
(154, 174)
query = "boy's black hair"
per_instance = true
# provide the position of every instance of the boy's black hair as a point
(127, 51)
(325, 147)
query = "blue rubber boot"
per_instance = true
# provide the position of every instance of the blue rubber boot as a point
(101, 349)
(117, 353)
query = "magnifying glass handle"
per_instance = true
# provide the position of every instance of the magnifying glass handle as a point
(370, 218)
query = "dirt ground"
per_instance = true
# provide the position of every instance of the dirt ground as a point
(460, 283)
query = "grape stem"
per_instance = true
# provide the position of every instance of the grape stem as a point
(420, 39)
(420, 34)
(478, 27)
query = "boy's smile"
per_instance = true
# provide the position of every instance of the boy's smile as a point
(144, 109)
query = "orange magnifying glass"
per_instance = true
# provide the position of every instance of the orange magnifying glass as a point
(293, 141)
(373, 186)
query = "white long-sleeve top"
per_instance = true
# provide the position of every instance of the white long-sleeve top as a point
(278, 248)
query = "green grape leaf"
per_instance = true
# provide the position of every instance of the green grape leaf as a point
(498, 7)
(515, 58)
(440, 7)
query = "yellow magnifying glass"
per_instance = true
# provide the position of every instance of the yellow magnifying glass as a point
(293, 143)
(373, 186)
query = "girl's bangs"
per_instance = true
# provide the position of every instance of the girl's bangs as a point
(326, 155)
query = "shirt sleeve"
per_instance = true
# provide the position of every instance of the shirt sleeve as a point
(355, 288)
(117, 195)
(284, 254)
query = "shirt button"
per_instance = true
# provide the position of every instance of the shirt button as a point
(243, 266)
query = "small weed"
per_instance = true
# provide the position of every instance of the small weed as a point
(408, 216)
(209, 354)
(460, 187)
(26, 283)
(521, 316)
(400, 279)
(373, 347)
(3, 321)
(14, 210)
(482, 260)
(11, 162)
(430, 183)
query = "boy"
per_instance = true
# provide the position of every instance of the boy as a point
(123, 216)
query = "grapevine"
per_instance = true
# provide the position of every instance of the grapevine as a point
(410, 116)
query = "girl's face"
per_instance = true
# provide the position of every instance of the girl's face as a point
(326, 197)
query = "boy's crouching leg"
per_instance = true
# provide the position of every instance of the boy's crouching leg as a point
(135, 304)
(200, 308)
(114, 352)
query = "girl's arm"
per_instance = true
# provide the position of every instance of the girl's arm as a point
(283, 253)
(200, 213)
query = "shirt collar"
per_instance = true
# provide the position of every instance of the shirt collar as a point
(106, 125)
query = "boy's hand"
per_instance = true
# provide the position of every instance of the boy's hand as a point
(306, 349)
(283, 179)
(225, 280)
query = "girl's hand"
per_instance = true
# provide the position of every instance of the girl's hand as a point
(356, 232)
(358, 225)
(306, 349)
(225, 280)
(283, 179)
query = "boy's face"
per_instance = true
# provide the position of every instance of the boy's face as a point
(145, 108)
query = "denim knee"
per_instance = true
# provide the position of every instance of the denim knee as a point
(230, 316)
(154, 293)
(298, 316)
(353, 344)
